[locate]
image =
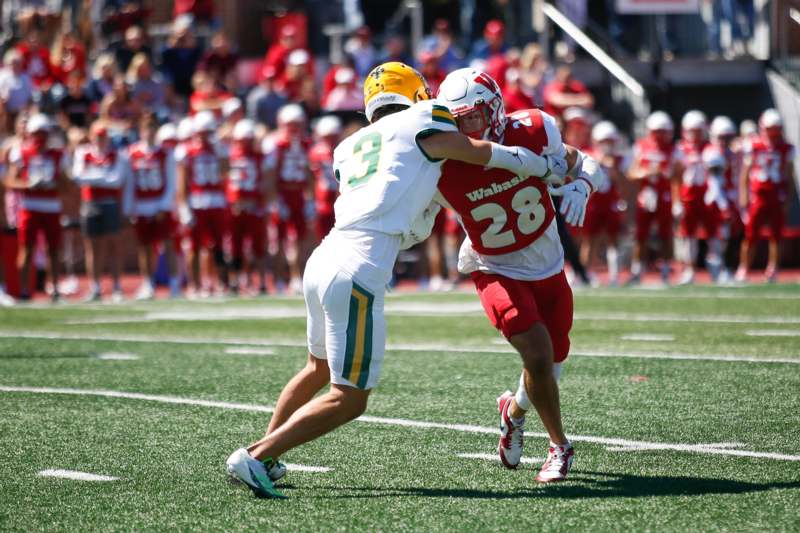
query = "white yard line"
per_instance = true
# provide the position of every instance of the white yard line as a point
(307, 468)
(614, 443)
(72, 474)
(648, 337)
(116, 356)
(411, 347)
(704, 319)
(249, 350)
(495, 457)
(772, 333)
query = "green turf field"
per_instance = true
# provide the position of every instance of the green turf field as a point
(683, 404)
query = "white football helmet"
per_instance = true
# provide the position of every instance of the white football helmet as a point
(328, 125)
(605, 131)
(167, 132)
(694, 120)
(476, 102)
(291, 113)
(204, 122)
(722, 126)
(770, 119)
(244, 129)
(185, 128)
(38, 122)
(659, 120)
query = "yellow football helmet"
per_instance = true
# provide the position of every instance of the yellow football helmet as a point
(393, 83)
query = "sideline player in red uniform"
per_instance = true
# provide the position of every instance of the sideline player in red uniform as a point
(723, 195)
(513, 253)
(328, 131)
(288, 167)
(653, 168)
(603, 217)
(149, 200)
(36, 171)
(766, 180)
(247, 197)
(694, 213)
(201, 198)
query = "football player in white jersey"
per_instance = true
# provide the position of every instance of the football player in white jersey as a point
(388, 173)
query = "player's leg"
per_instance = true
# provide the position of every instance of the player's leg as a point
(644, 220)
(664, 220)
(258, 241)
(143, 227)
(753, 226)
(776, 223)
(53, 237)
(237, 231)
(218, 230)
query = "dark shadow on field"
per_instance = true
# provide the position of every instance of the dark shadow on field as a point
(585, 485)
(44, 356)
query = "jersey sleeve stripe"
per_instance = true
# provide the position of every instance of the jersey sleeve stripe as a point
(442, 114)
(444, 120)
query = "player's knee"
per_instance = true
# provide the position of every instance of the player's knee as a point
(352, 402)
(536, 349)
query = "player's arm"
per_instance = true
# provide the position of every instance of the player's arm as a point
(12, 180)
(744, 189)
(439, 145)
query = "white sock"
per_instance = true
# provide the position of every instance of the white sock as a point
(94, 287)
(521, 397)
(636, 268)
(612, 259)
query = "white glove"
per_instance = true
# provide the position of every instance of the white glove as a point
(574, 196)
(524, 162)
(422, 226)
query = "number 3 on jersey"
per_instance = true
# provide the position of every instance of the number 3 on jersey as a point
(526, 203)
(367, 150)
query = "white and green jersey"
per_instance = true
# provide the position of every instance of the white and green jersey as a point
(385, 182)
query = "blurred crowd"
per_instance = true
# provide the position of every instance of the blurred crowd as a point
(218, 182)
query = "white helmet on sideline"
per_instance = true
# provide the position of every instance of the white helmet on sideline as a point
(694, 120)
(38, 122)
(721, 126)
(659, 120)
(167, 132)
(604, 131)
(244, 129)
(770, 119)
(184, 129)
(469, 91)
(328, 125)
(291, 113)
(204, 122)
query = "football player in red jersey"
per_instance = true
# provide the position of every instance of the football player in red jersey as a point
(289, 169)
(513, 253)
(694, 213)
(603, 217)
(328, 131)
(723, 196)
(149, 200)
(247, 197)
(36, 171)
(201, 198)
(766, 181)
(653, 168)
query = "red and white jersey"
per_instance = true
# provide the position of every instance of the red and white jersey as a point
(289, 159)
(608, 186)
(245, 182)
(38, 166)
(150, 187)
(509, 220)
(693, 180)
(326, 188)
(733, 165)
(100, 174)
(655, 188)
(768, 165)
(205, 184)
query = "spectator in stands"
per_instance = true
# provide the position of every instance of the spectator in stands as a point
(430, 69)
(99, 170)
(147, 88)
(133, 45)
(104, 72)
(394, 49)
(441, 43)
(493, 42)
(740, 16)
(36, 60)
(180, 58)
(119, 112)
(265, 100)
(75, 109)
(345, 96)
(361, 50)
(514, 96)
(288, 41)
(565, 91)
(207, 95)
(16, 86)
(68, 55)
(220, 61)
(199, 11)
(535, 72)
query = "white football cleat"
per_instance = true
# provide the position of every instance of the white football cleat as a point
(276, 471)
(511, 435)
(241, 466)
(687, 277)
(559, 461)
(145, 292)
